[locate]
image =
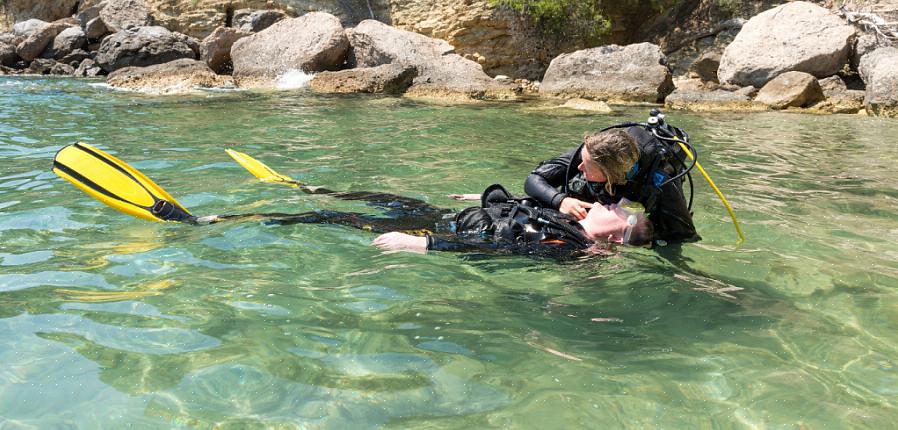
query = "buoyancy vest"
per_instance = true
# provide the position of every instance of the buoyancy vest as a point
(507, 220)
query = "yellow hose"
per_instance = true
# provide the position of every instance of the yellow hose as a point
(716, 190)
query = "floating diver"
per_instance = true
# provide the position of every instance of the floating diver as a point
(500, 224)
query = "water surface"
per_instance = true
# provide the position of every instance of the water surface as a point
(107, 321)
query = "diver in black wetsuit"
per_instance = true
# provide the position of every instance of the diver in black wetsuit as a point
(617, 164)
(501, 224)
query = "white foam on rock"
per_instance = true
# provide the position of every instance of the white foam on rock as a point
(293, 79)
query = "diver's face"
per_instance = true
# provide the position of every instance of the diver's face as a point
(590, 168)
(605, 223)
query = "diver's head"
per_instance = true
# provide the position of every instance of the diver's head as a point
(608, 156)
(615, 224)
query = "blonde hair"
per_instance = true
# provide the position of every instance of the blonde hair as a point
(615, 151)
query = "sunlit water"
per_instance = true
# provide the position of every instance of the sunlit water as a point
(107, 321)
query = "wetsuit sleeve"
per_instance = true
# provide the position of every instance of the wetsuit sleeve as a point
(460, 244)
(543, 182)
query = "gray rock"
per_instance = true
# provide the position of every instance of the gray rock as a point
(375, 43)
(86, 14)
(11, 39)
(313, 42)
(142, 46)
(879, 70)
(215, 49)
(442, 74)
(173, 77)
(75, 57)
(118, 15)
(40, 66)
(26, 28)
(791, 89)
(95, 28)
(839, 99)
(88, 69)
(254, 21)
(388, 78)
(797, 36)
(632, 73)
(866, 43)
(832, 85)
(8, 56)
(705, 67)
(38, 40)
(65, 42)
(62, 69)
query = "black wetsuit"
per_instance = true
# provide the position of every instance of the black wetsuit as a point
(667, 209)
(508, 227)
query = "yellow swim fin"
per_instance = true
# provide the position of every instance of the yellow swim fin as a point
(267, 174)
(117, 184)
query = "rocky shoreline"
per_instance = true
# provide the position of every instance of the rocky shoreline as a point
(794, 56)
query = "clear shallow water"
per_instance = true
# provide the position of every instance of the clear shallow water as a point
(108, 321)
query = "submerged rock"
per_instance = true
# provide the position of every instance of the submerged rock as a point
(179, 76)
(311, 43)
(632, 73)
(388, 79)
(797, 36)
(143, 46)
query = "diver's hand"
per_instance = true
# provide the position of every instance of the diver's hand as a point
(396, 241)
(464, 197)
(574, 207)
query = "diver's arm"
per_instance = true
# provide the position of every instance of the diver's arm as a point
(396, 241)
(544, 180)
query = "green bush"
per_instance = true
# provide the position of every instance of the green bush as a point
(573, 19)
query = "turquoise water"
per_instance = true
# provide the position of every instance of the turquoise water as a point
(107, 321)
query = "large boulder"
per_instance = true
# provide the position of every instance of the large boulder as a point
(65, 43)
(375, 43)
(388, 78)
(879, 70)
(797, 36)
(791, 89)
(143, 46)
(179, 76)
(118, 15)
(314, 42)
(215, 49)
(442, 74)
(254, 21)
(632, 73)
(38, 40)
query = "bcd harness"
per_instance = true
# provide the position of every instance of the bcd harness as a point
(510, 220)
